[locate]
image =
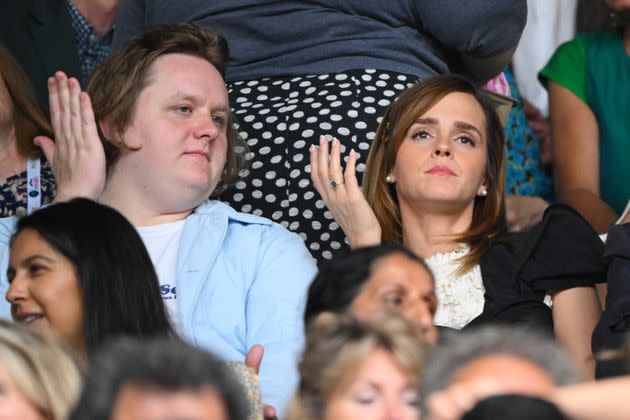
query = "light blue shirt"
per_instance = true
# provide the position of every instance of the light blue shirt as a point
(242, 280)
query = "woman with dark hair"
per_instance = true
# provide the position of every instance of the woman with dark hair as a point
(435, 182)
(370, 281)
(80, 270)
(26, 180)
(588, 80)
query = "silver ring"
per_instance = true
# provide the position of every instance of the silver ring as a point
(334, 184)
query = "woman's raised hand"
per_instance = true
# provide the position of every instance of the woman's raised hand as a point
(342, 194)
(76, 155)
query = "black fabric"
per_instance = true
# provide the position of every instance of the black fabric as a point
(39, 34)
(611, 331)
(560, 252)
(514, 407)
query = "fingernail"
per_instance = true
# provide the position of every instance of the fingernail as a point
(36, 142)
(335, 141)
(352, 152)
(322, 139)
(310, 149)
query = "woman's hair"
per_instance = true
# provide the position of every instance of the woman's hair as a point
(336, 346)
(42, 371)
(29, 119)
(118, 284)
(340, 280)
(489, 221)
(116, 84)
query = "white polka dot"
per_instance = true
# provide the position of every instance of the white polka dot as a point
(341, 77)
(276, 215)
(353, 113)
(384, 102)
(294, 126)
(240, 185)
(248, 118)
(298, 114)
(389, 93)
(303, 183)
(333, 226)
(370, 110)
(335, 117)
(360, 125)
(281, 182)
(276, 159)
(278, 140)
(304, 83)
(252, 142)
(298, 157)
(335, 245)
(311, 120)
(324, 111)
(307, 133)
(366, 77)
(257, 182)
(257, 164)
(257, 126)
(262, 88)
(401, 77)
(336, 104)
(399, 86)
(343, 131)
(308, 195)
(238, 197)
(320, 204)
(316, 225)
(300, 143)
(310, 90)
(264, 150)
(261, 98)
(361, 167)
(291, 107)
(281, 126)
(293, 211)
(295, 173)
(284, 203)
(364, 146)
(381, 83)
(307, 214)
(271, 119)
(252, 83)
(294, 225)
(327, 255)
(257, 212)
(325, 236)
(314, 246)
(369, 99)
(270, 198)
(345, 93)
(384, 76)
(246, 208)
(257, 194)
(293, 94)
(270, 174)
(325, 126)
(266, 135)
(328, 215)
(246, 90)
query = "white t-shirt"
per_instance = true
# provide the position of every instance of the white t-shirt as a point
(162, 242)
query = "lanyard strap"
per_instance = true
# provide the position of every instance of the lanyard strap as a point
(33, 185)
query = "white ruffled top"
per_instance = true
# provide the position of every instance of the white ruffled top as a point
(460, 298)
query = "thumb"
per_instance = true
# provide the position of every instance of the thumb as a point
(254, 357)
(47, 145)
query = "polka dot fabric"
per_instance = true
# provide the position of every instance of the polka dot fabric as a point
(280, 118)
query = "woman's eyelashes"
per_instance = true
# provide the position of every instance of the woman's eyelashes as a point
(466, 140)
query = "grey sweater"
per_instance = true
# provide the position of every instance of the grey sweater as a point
(286, 37)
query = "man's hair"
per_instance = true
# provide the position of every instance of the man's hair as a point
(459, 348)
(339, 281)
(116, 84)
(164, 363)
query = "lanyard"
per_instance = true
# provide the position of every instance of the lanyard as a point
(33, 185)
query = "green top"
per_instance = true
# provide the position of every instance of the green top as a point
(596, 68)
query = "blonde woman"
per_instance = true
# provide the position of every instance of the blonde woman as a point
(352, 370)
(38, 379)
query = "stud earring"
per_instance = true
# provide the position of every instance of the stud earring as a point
(483, 193)
(389, 179)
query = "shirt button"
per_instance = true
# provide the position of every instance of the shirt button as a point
(93, 38)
